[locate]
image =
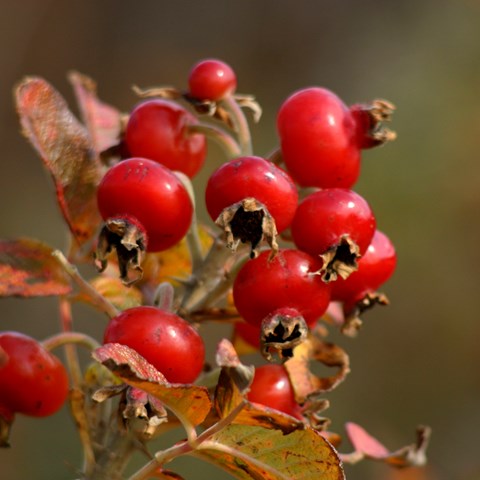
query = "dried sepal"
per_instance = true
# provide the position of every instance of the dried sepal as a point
(248, 221)
(281, 332)
(166, 92)
(128, 239)
(142, 413)
(249, 102)
(370, 119)
(352, 322)
(340, 260)
(6, 422)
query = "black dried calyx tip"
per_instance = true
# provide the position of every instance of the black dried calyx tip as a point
(248, 221)
(282, 331)
(128, 239)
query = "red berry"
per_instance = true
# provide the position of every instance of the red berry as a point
(150, 194)
(248, 333)
(271, 387)
(157, 130)
(33, 381)
(257, 178)
(324, 217)
(211, 79)
(318, 136)
(164, 339)
(263, 286)
(374, 268)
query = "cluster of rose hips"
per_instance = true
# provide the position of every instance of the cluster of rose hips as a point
(322, 248)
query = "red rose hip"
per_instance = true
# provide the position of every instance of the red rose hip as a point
(158, 130)
(211, 79)
(164, 339)
(33, 381)
(337, 224)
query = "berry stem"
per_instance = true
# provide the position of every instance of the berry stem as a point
(92, 295)
(192, 237)
(77, 404)
(68, 338)
(185, 447)
(209, 274)
(240, 124)
(223, 139)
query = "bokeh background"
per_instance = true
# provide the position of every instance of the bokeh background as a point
(414, 362)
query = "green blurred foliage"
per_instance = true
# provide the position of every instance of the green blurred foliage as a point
(415, 361)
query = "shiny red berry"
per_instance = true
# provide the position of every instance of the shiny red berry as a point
(257, 178)
(336, 223)
(263, 286)
(32, 381)
(164, 339)
(318, 137)
(271, 387)
(148, 193)
(211, 79)
(158, 130)
(375, 267)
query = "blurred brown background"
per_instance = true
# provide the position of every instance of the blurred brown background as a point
(414, 362)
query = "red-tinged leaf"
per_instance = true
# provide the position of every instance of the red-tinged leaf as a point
(187, 401)
(249, 452)
(104, 122)
(66, 150)
(304, 382)
(28, 269)
(364, 442)
(365, 445)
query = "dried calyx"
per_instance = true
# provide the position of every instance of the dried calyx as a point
(340, 260)
(128, 238)
(370, 119)
(281, 332)
(352, 312)
(248, 221)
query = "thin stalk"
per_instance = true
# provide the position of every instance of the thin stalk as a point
(97, 300)
(227, 143)
(240, 124)
(68, 338)
(76, 395)
(185, 447)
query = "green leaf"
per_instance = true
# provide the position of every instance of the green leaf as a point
(28, 269)
(189, 402)
(66, 150)
(249, 452)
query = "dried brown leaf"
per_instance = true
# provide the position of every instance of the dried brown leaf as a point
(305, 383)
(28, 269)
(66, 150)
